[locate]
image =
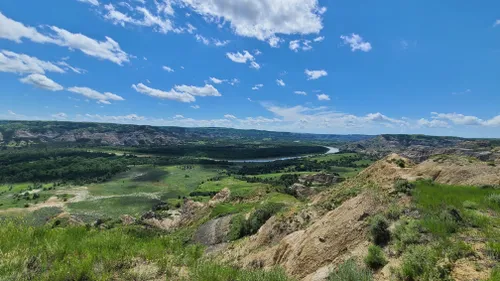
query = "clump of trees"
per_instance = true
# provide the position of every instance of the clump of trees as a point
(241, 227)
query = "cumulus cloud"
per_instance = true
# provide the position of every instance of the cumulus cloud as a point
(211, 41)
(319, 39)
(103, 98)
(433, 123)
(180, 93)
(257, 87)
(263, 19)
(458, 119)
(106, 50)
(302, 93)
(304, 45)
(91, 2)
(243, 58)
(22, 64)
(168, 69)
(356, 42)
(205, 91)
(42, 82)
(229, 116)
(280, 82)
(216, 80)
(323, 97)
(315, 74)
(160, 21)
(170, 95)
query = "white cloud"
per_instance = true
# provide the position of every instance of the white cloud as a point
(257, 87)
(240, 57)
(319, 39)
(275, 42)
(497, 23)
(168, 69)
(458, 119)
(315, 74)
(178, 116)
(67, 66)
(107, 50)
(160, 21)
(170, 95)
(211, 41)
(60, 115)
(243, 58)
(304, 45)
(216, 81)
(263, 19)
(300, 93)
(379, 117)
(117, 119)
(195, 107)
(91, 2)
(433, 123)
(103, 98)
(257, 52)
(22, 64)
(182, 93)
(15, 31)
(234, 81)
(229, 116)
(205, 91)
(493, 122)
(280, 82)
(190, 28)
(323, 97)
(356, 42)
(42, 82)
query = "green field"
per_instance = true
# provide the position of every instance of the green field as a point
(332, 157)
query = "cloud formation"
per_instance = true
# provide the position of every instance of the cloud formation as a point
(42, 82)
(356, 43)
(103, 98)
(243, 58)
(315, 74)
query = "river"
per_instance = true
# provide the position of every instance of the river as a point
(331, 150)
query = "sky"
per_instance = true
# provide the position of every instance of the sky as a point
(313, 66)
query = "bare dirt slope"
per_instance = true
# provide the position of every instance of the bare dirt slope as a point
(311, 243)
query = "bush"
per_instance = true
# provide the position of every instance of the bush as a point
(494, 199)
(494, 250)
(350, 271)
(419, 263)
(393, 213)
(401, 163)
(495, 274)
(406, 233)
(379, 230)
(403, 186)
(375, 258)
(216, 272)
(241, 227)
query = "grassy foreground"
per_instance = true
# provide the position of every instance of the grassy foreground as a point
(124, 253)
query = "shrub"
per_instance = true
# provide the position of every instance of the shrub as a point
(216, 272)
(458, 250)
(393, 213)
(401, 163)
(494, 250)
(419, 263)
(241, 227)
(379, 230)
(470, 205)
(375, 258)
(404, 186)
(494, 199)
(495, 274)
(406, 233)
(350, 271)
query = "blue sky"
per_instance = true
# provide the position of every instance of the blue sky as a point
(299, 65)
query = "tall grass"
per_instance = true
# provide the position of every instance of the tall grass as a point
(81, 253)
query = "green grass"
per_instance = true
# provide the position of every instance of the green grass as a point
(350, 271)
(112, 207)
(332, 157)
(216, 272)
(440, 205)
(225, 209)
(8, 193)
(238, 188)
(80, 253)
(278, 175)
(170, 181)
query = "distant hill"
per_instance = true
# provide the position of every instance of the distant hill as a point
(20, 133)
